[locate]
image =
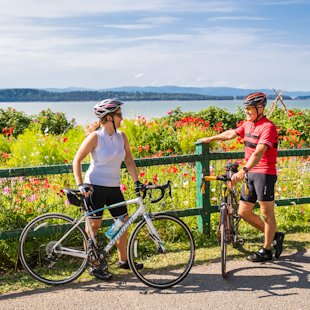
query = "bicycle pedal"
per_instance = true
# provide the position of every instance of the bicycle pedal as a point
(240, 241)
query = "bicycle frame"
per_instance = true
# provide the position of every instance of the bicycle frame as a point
(140, 211)
(226, 191)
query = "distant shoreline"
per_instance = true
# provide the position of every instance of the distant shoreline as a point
(35, 95)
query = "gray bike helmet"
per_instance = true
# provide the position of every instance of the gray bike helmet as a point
(107, 106)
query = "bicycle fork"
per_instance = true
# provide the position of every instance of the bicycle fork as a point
(154, 234)
(224, 219)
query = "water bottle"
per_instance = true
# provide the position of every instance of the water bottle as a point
(115, 227)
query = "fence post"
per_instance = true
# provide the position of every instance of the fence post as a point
(203, 200)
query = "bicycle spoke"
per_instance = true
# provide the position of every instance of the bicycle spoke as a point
(162, 269)
(39, 252)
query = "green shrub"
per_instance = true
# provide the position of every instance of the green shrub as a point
(22, 199)
(5, 149)
(32, 148)
(293, 128)
(147, 138)
(12, 122)
(54, 122)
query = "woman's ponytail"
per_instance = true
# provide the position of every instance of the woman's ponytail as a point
(93, 127)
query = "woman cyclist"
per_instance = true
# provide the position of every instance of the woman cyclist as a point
(107, 147)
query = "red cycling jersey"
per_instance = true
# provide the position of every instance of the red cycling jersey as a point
(261, 132)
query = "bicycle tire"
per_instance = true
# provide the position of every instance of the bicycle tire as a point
(223, 239)
(39, 259)
(162, 270)
(234, 221)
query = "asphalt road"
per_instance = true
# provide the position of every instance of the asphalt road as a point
(281, 284)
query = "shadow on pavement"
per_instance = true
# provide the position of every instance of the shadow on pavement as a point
(275, 278)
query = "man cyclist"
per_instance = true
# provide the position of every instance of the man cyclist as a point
(260, 146)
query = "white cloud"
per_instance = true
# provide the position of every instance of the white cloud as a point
(129, 26)
(156, 43)
(237, 18)
(139, 75)
(66, 8)
(159, 20)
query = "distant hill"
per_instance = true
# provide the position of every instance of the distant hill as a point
(209, 91)
(29, 94)
(136, 93)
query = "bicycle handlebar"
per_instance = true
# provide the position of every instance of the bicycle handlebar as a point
(150, 187)
(223, 177)
(75, 197)
(208, 178)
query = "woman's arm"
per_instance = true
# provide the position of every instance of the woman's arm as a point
(87, 146)
(130, 163)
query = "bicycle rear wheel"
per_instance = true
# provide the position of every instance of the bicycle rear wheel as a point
(223, 239)
(162, 268)
(38, 253)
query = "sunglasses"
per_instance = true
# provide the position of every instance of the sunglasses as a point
(252, 107)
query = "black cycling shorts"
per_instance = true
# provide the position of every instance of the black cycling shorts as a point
(261, 187)
(106, 196)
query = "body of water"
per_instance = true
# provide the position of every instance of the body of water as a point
(83, 111)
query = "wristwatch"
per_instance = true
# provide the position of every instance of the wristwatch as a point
(245, 169)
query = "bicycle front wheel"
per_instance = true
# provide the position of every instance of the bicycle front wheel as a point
(48, 260)
(234, 220)
(166, 260)
(224, 240)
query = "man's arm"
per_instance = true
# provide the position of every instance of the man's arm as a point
(226, 135)
(252, 162)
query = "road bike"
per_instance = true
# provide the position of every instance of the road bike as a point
(229, 218)
(55, 249)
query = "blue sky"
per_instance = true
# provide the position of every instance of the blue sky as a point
(101, 44)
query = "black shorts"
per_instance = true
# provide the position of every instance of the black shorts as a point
(106, 196)
(261, 187)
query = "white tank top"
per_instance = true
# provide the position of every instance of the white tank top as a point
(106, 160)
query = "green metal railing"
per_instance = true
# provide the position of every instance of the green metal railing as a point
(202, 158)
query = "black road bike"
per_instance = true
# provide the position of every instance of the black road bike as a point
(229, 218)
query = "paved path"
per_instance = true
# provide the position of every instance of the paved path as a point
(282, 284)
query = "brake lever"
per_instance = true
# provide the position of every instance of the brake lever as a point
(170, 194)
(144, 192)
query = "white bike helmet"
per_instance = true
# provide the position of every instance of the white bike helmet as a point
(107, 106)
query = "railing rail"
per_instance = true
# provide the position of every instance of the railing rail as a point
(202, 158)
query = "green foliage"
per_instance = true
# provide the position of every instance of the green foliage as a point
(187, 136)
(32, 148)
(14, 120)
(149, 138)
(212, 114)
(54, 122)
(13, 123)
(217, 115)
(177, 132)
(293, 128)
(4, 149)
(8, 254)
(22, 199)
